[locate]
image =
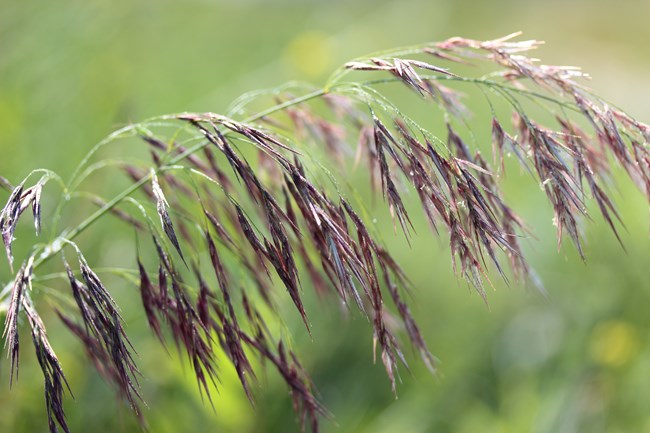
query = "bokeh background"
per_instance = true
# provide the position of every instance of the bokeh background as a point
(577, 360)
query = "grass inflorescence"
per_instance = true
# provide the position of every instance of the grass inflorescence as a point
(245, 193)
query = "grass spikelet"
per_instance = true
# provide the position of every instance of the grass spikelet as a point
(55, 381)
(162, 206)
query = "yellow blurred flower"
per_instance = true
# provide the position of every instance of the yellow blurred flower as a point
(310, 53)
(614, 343)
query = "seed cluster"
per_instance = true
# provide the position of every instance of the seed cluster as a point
(246, 201)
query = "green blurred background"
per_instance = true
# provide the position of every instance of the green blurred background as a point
(576, 361)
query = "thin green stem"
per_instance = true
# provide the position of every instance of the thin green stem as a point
(486, 83)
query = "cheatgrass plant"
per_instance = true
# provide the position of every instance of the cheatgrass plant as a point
(233, 211)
